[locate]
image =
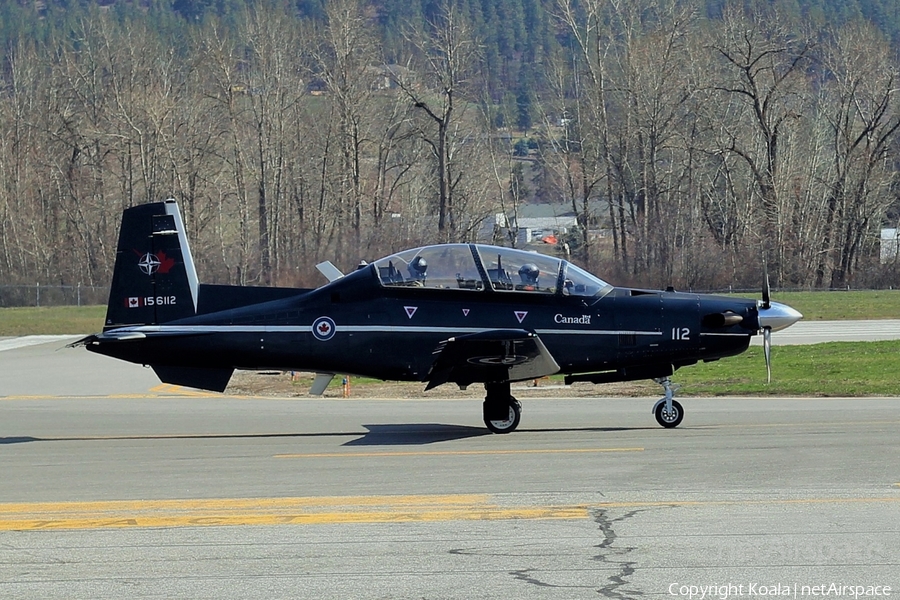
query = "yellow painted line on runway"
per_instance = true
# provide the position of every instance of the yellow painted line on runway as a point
(329, 510)
(168, 388)
(274, 511)
(455, 452)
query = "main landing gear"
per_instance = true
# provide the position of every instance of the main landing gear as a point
(668, 411)
(502, 411)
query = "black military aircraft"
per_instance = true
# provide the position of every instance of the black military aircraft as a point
(449, 313)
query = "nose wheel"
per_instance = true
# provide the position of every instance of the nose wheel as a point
(669, 417)
(667, 410)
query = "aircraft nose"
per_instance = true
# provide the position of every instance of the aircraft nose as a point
(778, 316)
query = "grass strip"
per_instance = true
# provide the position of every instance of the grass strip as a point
(827, 369)
(52, 320)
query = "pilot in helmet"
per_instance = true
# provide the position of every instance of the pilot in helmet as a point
(529, 274)
(417, 269)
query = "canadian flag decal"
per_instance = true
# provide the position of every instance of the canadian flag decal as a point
(410, 310)
(521, 314)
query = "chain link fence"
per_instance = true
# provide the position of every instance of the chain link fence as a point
(52, 295)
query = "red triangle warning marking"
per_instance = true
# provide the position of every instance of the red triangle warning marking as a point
(410, 310)
(521, 314)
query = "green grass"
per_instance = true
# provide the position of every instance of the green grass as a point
(829, 369)
(51, 320)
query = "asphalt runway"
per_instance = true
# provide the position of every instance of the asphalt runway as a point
(115, 486)
(814, 332)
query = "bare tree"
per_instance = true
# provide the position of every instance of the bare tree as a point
(272, 87)
(348, 66)
(233, 223)
(445, 55)
(580, 150)
(863, 120)
(763, 65)
(652, 66)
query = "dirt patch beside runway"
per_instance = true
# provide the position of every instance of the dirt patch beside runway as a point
(280, 384)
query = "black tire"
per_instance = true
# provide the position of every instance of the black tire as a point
(507, 425)
(669, 420)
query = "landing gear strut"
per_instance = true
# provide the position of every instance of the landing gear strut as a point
(668, 411)
(502, 411)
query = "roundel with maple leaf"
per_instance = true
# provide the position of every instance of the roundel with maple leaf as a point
(323, 328)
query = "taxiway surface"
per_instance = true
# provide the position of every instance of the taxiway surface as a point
(115, 486)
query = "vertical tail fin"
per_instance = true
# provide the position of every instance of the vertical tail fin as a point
(154, 280)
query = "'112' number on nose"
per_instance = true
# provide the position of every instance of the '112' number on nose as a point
(681, 333)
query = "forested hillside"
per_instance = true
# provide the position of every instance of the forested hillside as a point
(693, 140)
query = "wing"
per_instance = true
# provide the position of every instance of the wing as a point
(493, 355)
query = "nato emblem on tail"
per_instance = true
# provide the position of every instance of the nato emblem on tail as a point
(154, 280)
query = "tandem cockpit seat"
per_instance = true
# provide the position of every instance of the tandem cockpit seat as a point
(500, 279)
(390, 274)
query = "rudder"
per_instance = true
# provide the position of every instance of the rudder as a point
(154, 280)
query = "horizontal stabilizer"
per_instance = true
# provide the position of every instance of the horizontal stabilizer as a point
(331, 272)
(215, 380)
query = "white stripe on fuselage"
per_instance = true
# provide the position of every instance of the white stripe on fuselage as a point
(713, 334)
(200, 329)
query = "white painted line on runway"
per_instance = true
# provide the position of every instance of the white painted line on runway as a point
(33, 340)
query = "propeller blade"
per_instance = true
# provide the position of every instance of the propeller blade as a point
(766, 297)
(767, 350)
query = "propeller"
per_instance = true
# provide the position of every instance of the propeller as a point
(773, 316)
(767, 331)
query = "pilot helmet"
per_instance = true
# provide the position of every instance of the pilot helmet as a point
(529, 273)
(418, 267)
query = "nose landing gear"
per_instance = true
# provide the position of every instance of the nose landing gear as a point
(667, 410)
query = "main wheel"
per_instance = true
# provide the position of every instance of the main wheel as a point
(669, 419)
(509, 424)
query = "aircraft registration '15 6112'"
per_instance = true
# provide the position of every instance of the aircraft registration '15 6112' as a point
(449, 313)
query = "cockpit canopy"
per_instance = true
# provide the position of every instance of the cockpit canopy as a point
(476, 267)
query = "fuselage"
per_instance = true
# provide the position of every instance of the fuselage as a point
(357, 325)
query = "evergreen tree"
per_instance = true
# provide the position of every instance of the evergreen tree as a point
(525, 87)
